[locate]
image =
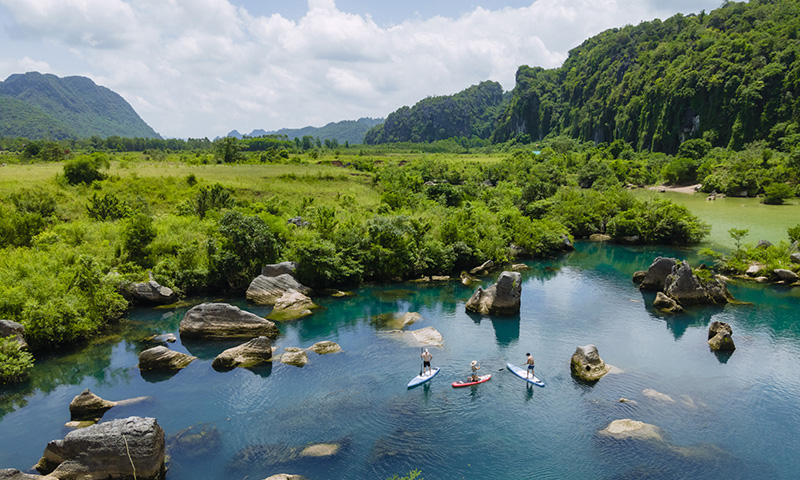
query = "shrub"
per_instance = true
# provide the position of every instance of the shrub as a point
(106, 207)
(84, 169)
(246, 245)
(777, 192)
(137, 235)
(794, 233)
(215, 197)
(15, 363)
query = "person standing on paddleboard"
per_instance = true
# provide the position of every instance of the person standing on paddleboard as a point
(475, 367)
(426, 361)
(529, 363)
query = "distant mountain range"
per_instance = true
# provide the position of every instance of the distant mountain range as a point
(351, 131)
(36, 106)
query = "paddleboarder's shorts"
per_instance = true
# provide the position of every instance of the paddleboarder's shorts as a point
(425, 363)
(530, 367)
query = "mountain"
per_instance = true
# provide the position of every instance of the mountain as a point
(731, 77)
(351, 131)
(471, 112)
(36, 105)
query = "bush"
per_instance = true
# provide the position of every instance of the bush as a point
(84, 169)
(15, 363)
(106, 207)
(794, 233)
(246, 245)
(777, 192)
(137, 235)
(215, 197)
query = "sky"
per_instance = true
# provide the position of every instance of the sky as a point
(201, 68)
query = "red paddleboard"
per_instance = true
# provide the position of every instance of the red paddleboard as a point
(482, 378)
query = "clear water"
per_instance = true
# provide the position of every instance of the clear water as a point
(734, 416)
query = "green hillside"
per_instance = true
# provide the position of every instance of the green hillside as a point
(351, 131)
(36, 105)
(469, 113)
(731, 76)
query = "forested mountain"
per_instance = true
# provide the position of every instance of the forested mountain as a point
(469, 113)
(351, 131)
(36, 106)
(730, 77)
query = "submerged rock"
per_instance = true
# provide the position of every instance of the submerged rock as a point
(286, 476)
(221, 320)
(657, 396)
(291, 306)
(502, 298)
(194, 442)
(720, 337)
(249, 354)
(265, 290)
(162, 358)
(632, 429)
(428, 336)
(587, 365)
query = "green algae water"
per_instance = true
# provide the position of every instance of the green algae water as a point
(726, 416)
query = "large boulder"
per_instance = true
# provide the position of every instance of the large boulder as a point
(324, 347)
(626, 428)
(720, 337)
(587, 365)
(162, 358)
(265, 290)
(666, 304)
(502, 298)
(148, 292)
(221, 320)
(9, 328)
(279, 269)
(687, 289)
(599, 237)
(657, 274)
(291, 306)
(254, 352)
(786, 275)
(128, 448)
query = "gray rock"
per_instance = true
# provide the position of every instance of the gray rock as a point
(599, 237)
(687, 289)
(466, 279)
(587, 365)
(502, 298)
(298, 221)
(277, 269)
(795, 257)
(194, 442)
(10, 328)
(720, 337)
(754, 269)
(221, 320)
(148, 292)
(626, 428)
(86, 406)
(657, 273)
(325, 347)
(291, 306)
(638, 276)
(14, 474)
(127, 449)
(265, 290)
(428, 336)
(764, 244)
(163, 338)
(295, 356)
(786, 275)
(519, 267)
(162, 358)
(566, 243)
(485, 267)
(254, 352)
(666, 304)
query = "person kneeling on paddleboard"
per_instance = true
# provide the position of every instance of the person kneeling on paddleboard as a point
(529, 363)
(426, 361)
(475, 367)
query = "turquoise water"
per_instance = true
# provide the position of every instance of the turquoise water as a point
(734, 416)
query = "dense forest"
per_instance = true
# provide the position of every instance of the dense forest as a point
(345, 131)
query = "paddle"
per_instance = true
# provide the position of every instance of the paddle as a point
(422, 362)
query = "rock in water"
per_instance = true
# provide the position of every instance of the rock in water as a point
(88, 406)
(324, 347)
(627, 428)
(291, 306)
(254, 352)
(786, 275)
(687, 289)
(162, 358)
(657, 274)
(282, 268)
(666, 304)
(128, 449)
(220, 320)
(428, 336)
(599, 237)
(295, 356)
(482, 269)
(148, 292)
(286, 476)
(265, 290)
(502, 298)
(587, 365)
(720, 337)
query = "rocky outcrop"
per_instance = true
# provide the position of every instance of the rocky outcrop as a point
(14, 474)
(129, 448)
(466, 278)
(587, 365)
(755, 269)
(9, 328)
(277, 269)
(566, 243)
(666, 304)
(482, 269)
(162, 358)
(291, 306)
(428, 336)
(86, 406)
(657, 274)
(221, 320)
(265, 290)
(720, 337)
(502, 298)
(626, 428)
(325, 347)
(763, 244)
(785, 275)
(254, 352)
(687, 289)
(148, 293)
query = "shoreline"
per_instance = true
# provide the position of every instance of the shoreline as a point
(691, 189)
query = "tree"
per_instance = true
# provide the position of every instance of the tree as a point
(228, 149)
(137, 235)
(777, 192)
(738, 234)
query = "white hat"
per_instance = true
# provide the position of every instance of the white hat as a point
(474, 362)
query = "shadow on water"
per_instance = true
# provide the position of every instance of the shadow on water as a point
(209, 349)
(506, 329)
(723, 356)
(152, 376)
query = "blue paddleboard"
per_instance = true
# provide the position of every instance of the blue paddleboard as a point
(420, 379)
(523, 374)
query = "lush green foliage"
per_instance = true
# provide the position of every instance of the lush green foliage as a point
(15, 363)
(84, 168)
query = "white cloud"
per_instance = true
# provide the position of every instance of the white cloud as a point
(204, 67)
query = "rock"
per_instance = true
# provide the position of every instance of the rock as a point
(410, 318)
(14, 474)
(148, 292)
(599, 237)
(487, 265)
(265, 290)
(795, 257)
(194, 442)
(502, 298)
(320, 450)
(519, 267)
(786, 275)
(428, 336)
(466, 279)
(657, 396)
(286, 476)
(254, 352)
(9, 328)
(291, 306)
(657, 273)
(276, 269)
(666, 304)
(263, 457)
(754, 269)
(566, 243)
(162, 358)
(440, 278)
(80, 423)
(164, 338)
(88, 406)
(298, 221)
(764, 244)
(720, 337)
(325, 347)
(638, 276)
(687, 289)
(114, 449)
(632, 429)
(220, 320)
(761, 279)
(587, 365)
(298, 357)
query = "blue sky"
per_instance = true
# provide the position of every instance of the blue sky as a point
(200, 68)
